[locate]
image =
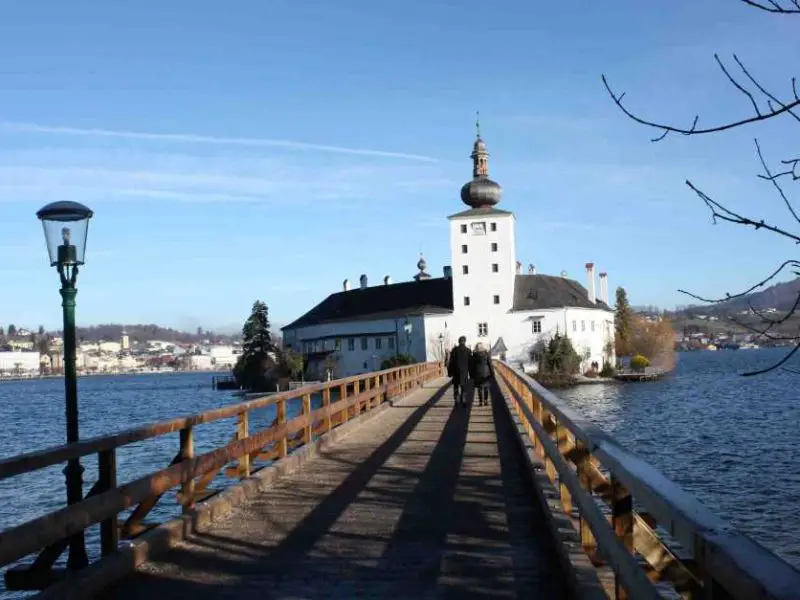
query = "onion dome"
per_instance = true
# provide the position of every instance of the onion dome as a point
(481, 192)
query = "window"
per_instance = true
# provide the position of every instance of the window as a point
(337, 344)
(583, 325)
(592, 326)
(494, 246)
(390, 343)
(495, 267)
(496, 299)
(479, 229)
(351, 344)
(463, 229)
(363, 343)
(465, 270)
(483, 329)
(463, 249)
(377, 343)
(466, 300)
(492, 226)
(537, 326)
(574, 326)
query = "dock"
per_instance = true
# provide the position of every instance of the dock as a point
(390, 491)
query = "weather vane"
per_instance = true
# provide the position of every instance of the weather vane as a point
(478, 122)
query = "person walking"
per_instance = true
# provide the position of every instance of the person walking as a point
(481, 372)
(458, 368)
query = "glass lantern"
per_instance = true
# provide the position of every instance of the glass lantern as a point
(66, 225)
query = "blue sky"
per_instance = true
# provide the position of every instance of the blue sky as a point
(271, 149)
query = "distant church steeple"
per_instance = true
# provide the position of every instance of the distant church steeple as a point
(481, 192)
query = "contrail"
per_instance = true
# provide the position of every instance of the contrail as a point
(205, 139)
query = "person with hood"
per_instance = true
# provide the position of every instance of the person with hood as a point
(458, 368)
(481, 373)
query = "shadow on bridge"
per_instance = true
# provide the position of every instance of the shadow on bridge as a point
(424, 501)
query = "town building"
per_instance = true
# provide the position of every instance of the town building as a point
(482, 295)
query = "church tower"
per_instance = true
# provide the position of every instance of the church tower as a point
(483, 255)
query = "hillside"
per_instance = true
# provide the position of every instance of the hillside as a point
(781, 296)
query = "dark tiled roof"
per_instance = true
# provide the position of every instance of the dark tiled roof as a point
(477, 212)
(533, 292)
(382, 301)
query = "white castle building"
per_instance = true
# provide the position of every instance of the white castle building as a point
(482, 295)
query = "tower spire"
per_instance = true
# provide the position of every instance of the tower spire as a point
(479, 156)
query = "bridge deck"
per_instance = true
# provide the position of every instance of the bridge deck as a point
(423, 501)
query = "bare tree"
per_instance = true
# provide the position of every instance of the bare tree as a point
(765, 105)
(439, 345)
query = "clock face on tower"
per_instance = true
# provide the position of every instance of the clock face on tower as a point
(479, 229)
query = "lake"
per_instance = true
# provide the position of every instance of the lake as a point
(730, 440)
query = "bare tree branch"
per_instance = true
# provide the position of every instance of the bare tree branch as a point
(784, 107)
(775, 7)
(772, 179)
(763, 282)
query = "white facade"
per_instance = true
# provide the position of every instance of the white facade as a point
(491, 301)
(22, 362)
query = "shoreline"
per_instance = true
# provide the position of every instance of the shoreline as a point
(118, 374)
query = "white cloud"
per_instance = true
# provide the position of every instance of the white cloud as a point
(191, 138)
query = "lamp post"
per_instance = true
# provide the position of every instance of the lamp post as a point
(408, 328)
(441, 346)
(66, 225)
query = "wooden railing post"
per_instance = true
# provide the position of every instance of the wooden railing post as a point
(342, 414)
(563, 441)
(326, 402)
(107, 478)
(242, 431)
(583, 466)
(356, 392)
(187, 453)
(622, 520)
(283, 446)
(307, 430)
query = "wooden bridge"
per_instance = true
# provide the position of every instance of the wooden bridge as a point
(381, 488)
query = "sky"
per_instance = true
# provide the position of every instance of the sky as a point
(269, 150)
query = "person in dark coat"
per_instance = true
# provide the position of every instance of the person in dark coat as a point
(458, 368)
(481, 373)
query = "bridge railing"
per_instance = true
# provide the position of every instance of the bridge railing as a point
(628, 516)
(50, 534)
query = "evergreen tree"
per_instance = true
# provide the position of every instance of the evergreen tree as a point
(256, 346)
(2, 332)
(12, 330)
(41, 329)
(623, 323)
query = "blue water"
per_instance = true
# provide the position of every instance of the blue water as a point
(730, 440)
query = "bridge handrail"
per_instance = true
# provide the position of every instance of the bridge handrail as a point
(51, 532)
(722, 557)
(40, 459)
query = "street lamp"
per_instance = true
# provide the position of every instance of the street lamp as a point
(408, 327)
(441, 345)
(66, 225)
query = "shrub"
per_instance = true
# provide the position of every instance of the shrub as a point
(639, 362)
(607, 370)
(397, 361)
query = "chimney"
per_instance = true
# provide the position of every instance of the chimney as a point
(363, 281)
(531, 269)
(604, 287)
(519, 267)
(387, 280)
(346, 285)
(590, 277)
(448, 272)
